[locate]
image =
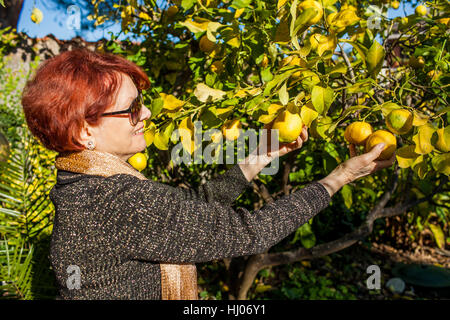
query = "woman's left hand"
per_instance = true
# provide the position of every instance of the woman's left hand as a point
(283, 148)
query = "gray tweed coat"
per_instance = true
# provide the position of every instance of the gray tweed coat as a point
(115, 230)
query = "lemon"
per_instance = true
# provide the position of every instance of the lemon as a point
(231, 129)
(289, 126)
(138, 161)
(404, 21)
(421, 10)
(217, 66)
(399, 121)
(205, 44)
(395, 4)
(264, 61)
(418, 62)
(358, 132)
(36, 15)
(317, 7)
(171, 11)
(382, 136)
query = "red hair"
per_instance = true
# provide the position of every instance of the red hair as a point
(73, 87)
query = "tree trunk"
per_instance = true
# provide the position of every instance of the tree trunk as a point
(9, 15)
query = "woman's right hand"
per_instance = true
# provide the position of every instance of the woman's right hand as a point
(356, 167)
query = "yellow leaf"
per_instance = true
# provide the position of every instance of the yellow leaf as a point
(308, 114)
(170, 102)
(186, 130)
(144, 16)
(234, 42)
(194, 26)
(406, 156)
(423, 139)
(281, 3)
(273, 108)
(161, 141)
(419, 119)
(267, 118)
(203, 93)
(239, 12)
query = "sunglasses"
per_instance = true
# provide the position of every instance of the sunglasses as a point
(134, 110)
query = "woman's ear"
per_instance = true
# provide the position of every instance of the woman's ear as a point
(86, 134)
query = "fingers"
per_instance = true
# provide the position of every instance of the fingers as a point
(373, 154)
(304, 134)
(381, 164)
(352, 150)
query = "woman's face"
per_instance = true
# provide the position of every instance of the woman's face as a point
(115, 134)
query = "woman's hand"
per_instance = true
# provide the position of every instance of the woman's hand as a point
(356, 167)
(265, 152)
(283, 148)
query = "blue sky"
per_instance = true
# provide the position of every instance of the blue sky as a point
(55, 21)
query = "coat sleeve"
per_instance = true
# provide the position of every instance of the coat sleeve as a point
(151, 221)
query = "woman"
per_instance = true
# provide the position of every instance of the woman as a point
(117, 235)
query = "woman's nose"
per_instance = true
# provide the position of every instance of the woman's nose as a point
(146, 113)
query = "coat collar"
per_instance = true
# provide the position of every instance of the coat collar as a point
(91, 162)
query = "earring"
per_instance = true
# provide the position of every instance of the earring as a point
(91, 145)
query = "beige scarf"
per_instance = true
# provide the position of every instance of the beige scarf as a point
(178, 281)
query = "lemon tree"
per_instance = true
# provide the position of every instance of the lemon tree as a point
(346, 72)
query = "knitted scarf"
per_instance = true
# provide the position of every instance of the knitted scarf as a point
(178, 281)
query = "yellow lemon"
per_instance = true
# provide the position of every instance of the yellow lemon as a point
(382, 136)
(205, 44)
(217, 66)
(289, 126)
(316, 6)
(399, 121)
(172, 11)
(358, 132)
(404, 21)
(264, 61)
(231, 129)
(36, 15)
(395, 4)
(138, 161)
(418, 62)
(421, 10)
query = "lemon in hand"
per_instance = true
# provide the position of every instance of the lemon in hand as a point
(289, 126)
(138, 161)
(382, 136)
(358, 132)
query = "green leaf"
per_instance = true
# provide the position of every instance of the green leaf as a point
(441, 163)
(284, 95)
(238, 4)
(266, 75)
(322, 98)
(307, 237)
(187, 4)
(438, 235)
(156, 107)
(347, 195)
(375, 58)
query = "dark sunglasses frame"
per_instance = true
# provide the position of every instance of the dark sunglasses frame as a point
(134, 110)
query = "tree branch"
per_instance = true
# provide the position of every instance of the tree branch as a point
(261, 261)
